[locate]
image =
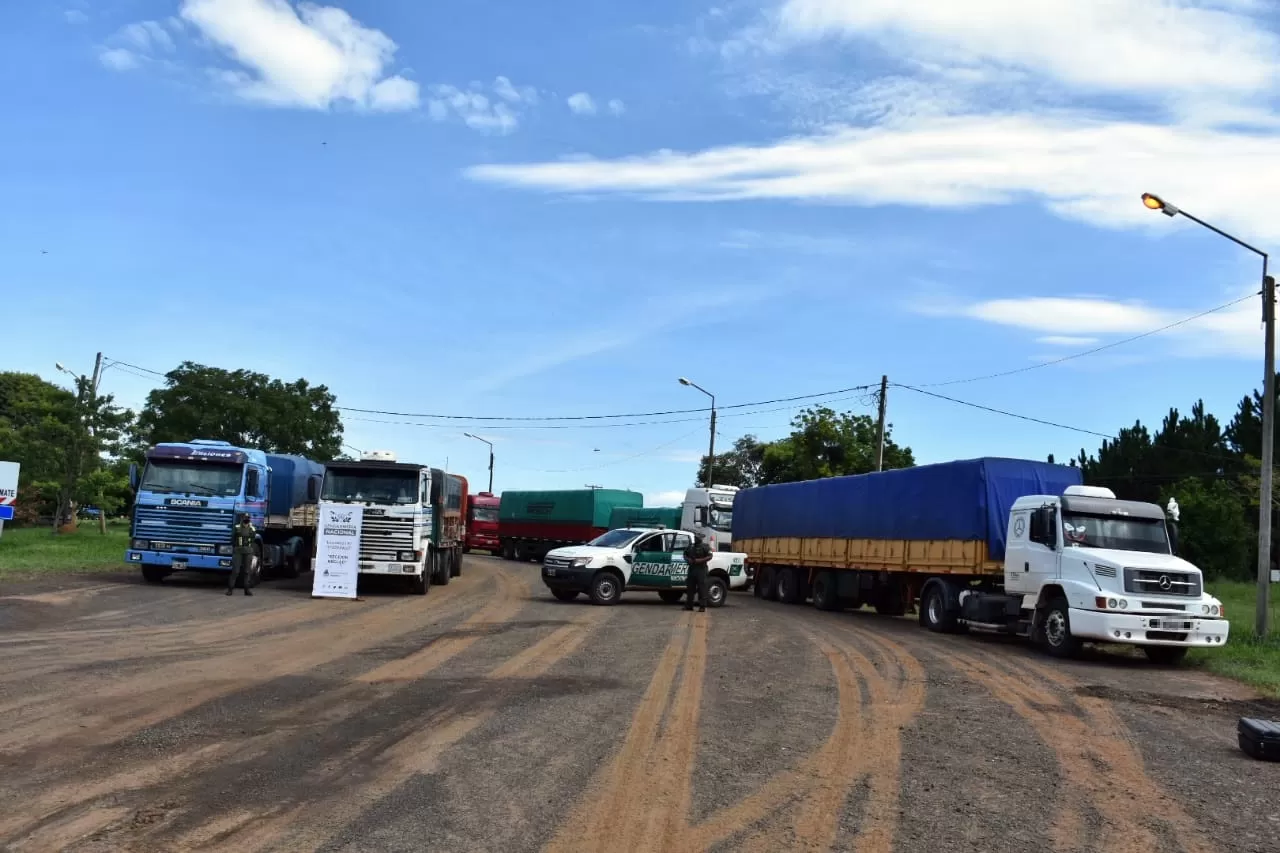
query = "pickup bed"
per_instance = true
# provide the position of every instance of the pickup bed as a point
(637, 559)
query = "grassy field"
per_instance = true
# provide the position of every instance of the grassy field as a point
(36, 550)
(1246, 658)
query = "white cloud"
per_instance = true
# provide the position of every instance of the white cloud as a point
(310, 57)
(146, 36)
(503, 88)
(617, 107)
(75, 16)
(1078, 166)
(1157, 46)
(1066, 341)
(582, 103)
(475, 109)
(118, 59)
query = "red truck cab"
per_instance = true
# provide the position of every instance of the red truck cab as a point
(482, 522)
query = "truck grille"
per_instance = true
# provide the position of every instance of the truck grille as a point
(190, 529)
(382, 538)
(1156, 582)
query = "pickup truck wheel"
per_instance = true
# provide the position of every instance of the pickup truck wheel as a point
(1057, 630)
(1165, 655)
(671, 596)
(717, 592)
(824, 592)
(606, 588)
(154, 574)
(565, 594)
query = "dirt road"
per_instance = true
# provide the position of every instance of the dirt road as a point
(488, 716)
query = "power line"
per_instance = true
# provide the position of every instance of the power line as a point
(1093, 351)
(1003, 412)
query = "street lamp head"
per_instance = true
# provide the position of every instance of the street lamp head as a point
(1154, 202)
(59, 366)
(468, 435)
(684, 381)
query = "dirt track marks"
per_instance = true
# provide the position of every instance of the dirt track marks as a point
(1101, 768)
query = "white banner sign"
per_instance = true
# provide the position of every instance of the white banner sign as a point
(8, 483)
(337, 567)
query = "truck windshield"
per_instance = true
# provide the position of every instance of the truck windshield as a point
(196, 478)
(377, 487)
(1117, 534)
(615, 539)
(721, 519)
(484, 513)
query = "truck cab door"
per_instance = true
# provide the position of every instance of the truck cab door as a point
(1033, 548)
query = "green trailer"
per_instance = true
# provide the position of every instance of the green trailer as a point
(645, 517)
(531, 523)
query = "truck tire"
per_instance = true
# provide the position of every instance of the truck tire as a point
(253, 576)
(457, 561)
(1058, 639)
(934, 613)
(565, 594)
(769, 583)
(290, 569)
(154, 574)
(419, 584)
(824, 592)
(443, 568)
(606, 588)
(717, 591)
(671, 596)
(508, 551)
(790, 586)
(1165, 655)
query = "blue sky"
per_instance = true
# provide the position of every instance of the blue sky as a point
(508, 209)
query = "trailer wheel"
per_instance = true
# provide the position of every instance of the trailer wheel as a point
(824, 592)
(934, 614)
(790, 589)
(1058, 638)
(671, 596)
(606, 588)
(154, 574)
(565, 594)
(769, 583)
(1165, 655)
(508, 551)
(717, 592)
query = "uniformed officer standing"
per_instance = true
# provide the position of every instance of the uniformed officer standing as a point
(243, 535)
(697, 556)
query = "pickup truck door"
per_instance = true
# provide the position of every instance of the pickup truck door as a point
(651, 564)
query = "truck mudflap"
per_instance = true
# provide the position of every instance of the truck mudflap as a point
(1145, 630)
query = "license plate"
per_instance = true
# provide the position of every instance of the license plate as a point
(178, 565)
(1166, 625)
(551, 573)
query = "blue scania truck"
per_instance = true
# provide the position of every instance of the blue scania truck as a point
(189, 496)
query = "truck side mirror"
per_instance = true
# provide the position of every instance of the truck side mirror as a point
(133, 476)
(702, 516)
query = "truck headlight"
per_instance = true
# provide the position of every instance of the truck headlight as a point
(579, 562)
(1210, 609)
(140, 545)
(226, 549)
(406, 556)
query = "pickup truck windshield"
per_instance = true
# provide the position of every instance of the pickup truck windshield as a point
(615, 539)
(1117, 534)
(195, 478)
(377, 487)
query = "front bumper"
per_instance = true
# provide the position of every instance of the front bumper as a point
(179, 562)
(483, 543)
(559, 577)
(379, 567)
(1149, 630)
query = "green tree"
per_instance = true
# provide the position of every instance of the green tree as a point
(245, 408)
(1213, 532)
(738, 467)
(824, 443)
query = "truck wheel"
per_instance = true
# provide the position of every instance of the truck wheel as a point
(824, 592)
(1057, 630)
(508, 551)
(671, 596)
(443, 567)
(790, 586)
(1165, 655)
(291, 568)
(565, 594)
(934, 614)
(419, 584)
(457, 561)
(769, 583)
(717, 592)
(154, 574)
(606, 588)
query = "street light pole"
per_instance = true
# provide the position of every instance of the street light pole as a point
(490, 443)
(711, 452)
(1262, 612)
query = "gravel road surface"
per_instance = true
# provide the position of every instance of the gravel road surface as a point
(488, 716)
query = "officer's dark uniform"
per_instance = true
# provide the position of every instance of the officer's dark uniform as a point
(243, 536)
(697, 555)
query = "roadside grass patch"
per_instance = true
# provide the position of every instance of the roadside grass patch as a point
(1247, 658)
(36, 550)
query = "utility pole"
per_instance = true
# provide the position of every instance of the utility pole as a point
(1262, 614)
(711, 453)
(884, 390)
(93, 407)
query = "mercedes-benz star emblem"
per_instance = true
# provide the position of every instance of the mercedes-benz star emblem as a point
(1165, 583)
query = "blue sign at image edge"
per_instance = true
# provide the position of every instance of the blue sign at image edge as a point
(6, 513)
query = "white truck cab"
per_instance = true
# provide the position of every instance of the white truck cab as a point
(642, 559)
(1088, 567)
(710, 512)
